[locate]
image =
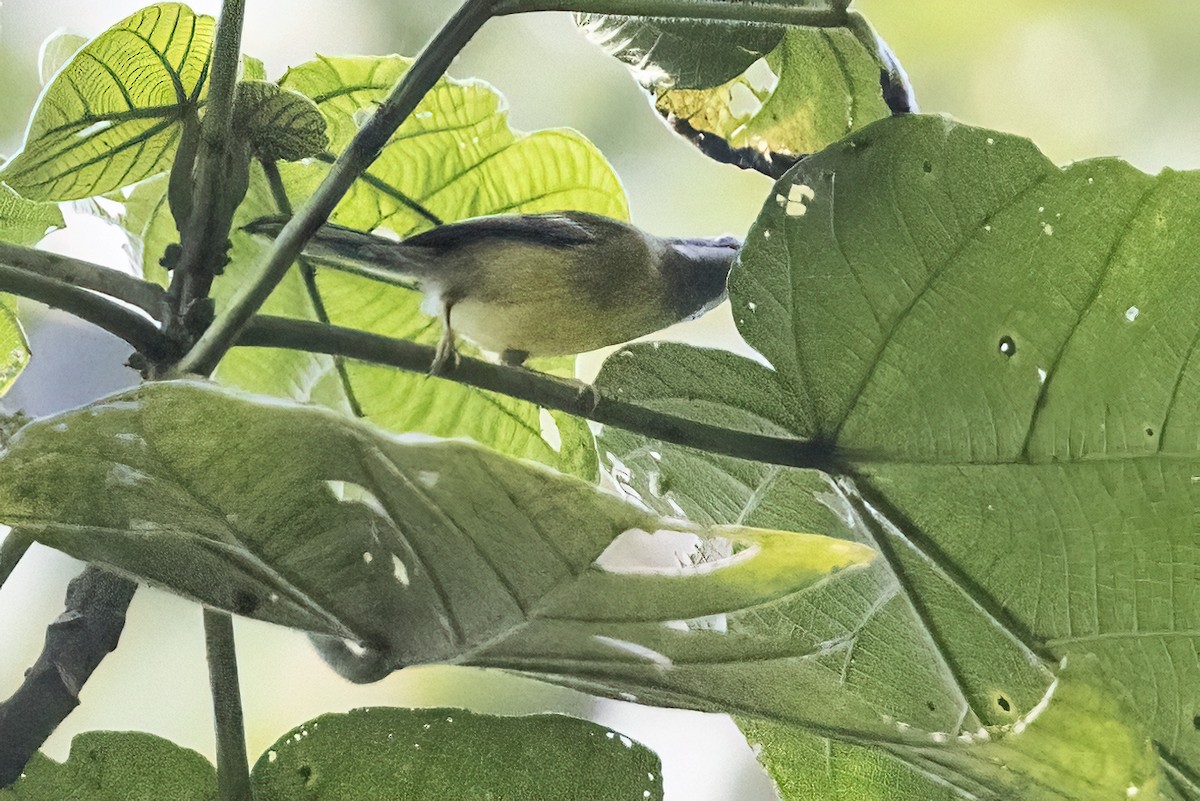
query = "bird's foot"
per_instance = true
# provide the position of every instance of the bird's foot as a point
(445, 358)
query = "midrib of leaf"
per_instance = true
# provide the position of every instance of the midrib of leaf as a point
(931, 279)
(141, 139)
(1097, 287)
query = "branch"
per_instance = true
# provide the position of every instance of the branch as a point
(203, 238)
(144, 295)
(233, 768)
(361, 152)
(12, 550)
(572, 397)
(781, 13)
(119, 321)
(82, 635)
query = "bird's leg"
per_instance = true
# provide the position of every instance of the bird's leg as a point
(446, 356)
(514, 358)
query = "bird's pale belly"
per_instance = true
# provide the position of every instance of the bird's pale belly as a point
(540, 331)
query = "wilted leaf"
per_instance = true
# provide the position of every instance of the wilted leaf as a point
(117, 766)
(758, 96)
(112, 116)
(382, 753)
(422, 551)
(997, 355)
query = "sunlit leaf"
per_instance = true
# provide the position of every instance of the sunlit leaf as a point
(14, 347)
(117, 766)
(57, 50)
(458, 157)
(451, 753)
(419, 550)
(111, 116)
(996, 355)
(758, 96)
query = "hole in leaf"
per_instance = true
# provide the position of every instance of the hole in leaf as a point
(1007, 346)
(1004, 703)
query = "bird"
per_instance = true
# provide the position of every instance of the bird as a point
(531, 285)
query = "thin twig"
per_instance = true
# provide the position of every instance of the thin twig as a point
(114, 318)
(572, 397)
(76, 642)
(762, 11)
(233, 768)
(361, 152)
(144, 295)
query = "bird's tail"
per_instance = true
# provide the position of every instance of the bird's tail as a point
(354, 251)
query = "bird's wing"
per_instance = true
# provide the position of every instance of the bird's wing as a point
(558, 230)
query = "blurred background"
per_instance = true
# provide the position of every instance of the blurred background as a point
(1082, 78)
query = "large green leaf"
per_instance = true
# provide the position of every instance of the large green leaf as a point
(758, 96)
(998, 356)
(419, 550)
(117, 766)
(456, 155)
(373, 754)
(112, 116)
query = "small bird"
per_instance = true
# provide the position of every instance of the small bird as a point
(526, 285)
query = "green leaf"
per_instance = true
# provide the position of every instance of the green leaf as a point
(24, 222)
(14, 347)
(458, 157)
(815, 87)
(421, 551)
(683, 54)
(450, 753)
(998, 355)
(117, 766)
(112, 116)
(1076, 744)
(57, 50)
(279, 125)
(758, 96)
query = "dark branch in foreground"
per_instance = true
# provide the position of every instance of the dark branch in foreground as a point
(76, 642)
(572, 397)
(144, 295)
(119, 321)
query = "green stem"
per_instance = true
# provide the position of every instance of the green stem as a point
(361, 152)
(781, 13)
(572, 397)
(119, 321)
(201, 240)
(233, 767)
(11, 550)
(144, 295)
(284, 204)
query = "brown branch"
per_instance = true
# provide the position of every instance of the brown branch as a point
(76, 642)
